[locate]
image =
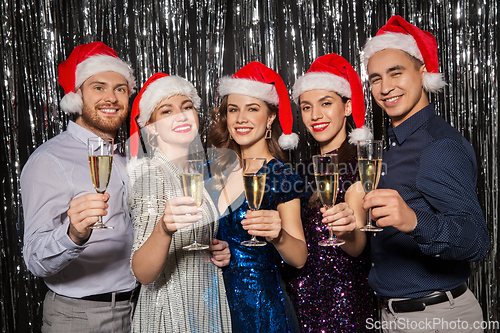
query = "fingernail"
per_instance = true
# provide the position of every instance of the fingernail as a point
(199, 209)
(199, 217)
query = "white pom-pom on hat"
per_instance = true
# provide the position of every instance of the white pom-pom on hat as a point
(358, 134)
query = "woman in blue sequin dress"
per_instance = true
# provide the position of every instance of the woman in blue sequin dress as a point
(245, 123)
(331, 293)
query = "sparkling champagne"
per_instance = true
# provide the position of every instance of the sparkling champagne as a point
(369, 173)
(327, 185)
(192, 186)
(254, 189)
(100, 170)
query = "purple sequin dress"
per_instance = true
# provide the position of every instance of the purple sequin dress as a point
(330, 293)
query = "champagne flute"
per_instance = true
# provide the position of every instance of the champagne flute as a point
(100, 164)
(370, 166)
(326, 174)
(192, 186)
(254, 181)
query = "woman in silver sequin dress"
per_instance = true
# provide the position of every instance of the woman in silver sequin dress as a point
(182, 291)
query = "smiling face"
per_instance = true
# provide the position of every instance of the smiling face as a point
(324, 115)
(247, 122)
(396, 84)
(175, 122)
(105, 103)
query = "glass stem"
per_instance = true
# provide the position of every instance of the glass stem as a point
(194, 233)
(369, 217)
(332, 235)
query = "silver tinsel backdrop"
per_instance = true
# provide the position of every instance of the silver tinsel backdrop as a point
(203, 40)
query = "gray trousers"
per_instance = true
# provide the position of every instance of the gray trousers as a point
(459, 315)
(63, 314)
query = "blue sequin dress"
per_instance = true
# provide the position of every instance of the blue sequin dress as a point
(257, 298)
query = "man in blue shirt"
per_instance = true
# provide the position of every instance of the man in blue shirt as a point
(87, 272)
(426, 199)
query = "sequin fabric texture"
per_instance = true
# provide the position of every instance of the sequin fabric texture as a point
(189, 294)
(330, 293)
(256, 295)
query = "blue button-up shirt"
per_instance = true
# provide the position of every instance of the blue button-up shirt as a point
(57, 172)
(433, 168)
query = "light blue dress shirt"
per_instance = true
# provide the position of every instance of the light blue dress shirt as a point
(56, 173)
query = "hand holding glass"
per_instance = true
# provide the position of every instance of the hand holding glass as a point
(192, 186)
(370, 166)
(100, 164)
(254, 182)
(326, 174)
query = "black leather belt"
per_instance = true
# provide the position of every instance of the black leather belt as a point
(419, 304)
(108, 297)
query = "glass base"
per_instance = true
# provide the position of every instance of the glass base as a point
(100, 226)
(195, 247)
(331, 242)
(370, 227)
(253, 243)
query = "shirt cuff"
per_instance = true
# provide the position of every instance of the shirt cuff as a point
(425, 229)
(63, 238)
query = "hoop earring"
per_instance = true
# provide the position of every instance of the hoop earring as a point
(230, 136)
(268, 132)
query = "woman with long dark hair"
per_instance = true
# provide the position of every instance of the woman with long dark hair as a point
(246, 123)
(331, 293)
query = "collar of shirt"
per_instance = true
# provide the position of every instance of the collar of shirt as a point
(410, 125)
(83, 134)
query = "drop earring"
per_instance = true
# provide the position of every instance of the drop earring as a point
(268, 132)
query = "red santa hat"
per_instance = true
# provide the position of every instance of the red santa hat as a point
(157, 88)
(85, 61)
(259, 81)
(401, 35)
(333, 73)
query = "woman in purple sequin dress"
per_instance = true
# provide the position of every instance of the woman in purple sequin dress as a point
(331, 293)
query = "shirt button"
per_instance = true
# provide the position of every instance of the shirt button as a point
(394, 144)
(373, 265)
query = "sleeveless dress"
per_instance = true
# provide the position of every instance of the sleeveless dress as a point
(330, 293)
(189, 294)
(256, 294)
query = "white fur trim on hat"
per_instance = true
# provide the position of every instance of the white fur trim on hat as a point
(103, 63)
(263, 91)
(318, 80)
(390, 40)
(162, 88)
(72, 103)
(289, 141)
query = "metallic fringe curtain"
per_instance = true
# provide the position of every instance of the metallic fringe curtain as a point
(203, 40)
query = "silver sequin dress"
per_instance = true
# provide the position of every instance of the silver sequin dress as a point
(189, 295)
